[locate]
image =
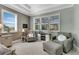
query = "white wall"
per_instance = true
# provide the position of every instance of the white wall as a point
(22, 19)
(67, 20)
(76, 25)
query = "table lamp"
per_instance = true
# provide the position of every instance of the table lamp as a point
(23, 30)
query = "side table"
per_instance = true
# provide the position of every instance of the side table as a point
(23, 38)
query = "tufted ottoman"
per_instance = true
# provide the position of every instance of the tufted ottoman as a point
(52, 48)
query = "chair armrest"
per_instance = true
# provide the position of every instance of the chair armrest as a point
(68, 44)
(68, 40)
(10, 52)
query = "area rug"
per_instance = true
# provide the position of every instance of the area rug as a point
(29, 48)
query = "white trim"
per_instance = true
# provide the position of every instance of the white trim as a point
(48, 10)
(3, 10)
(29, 12)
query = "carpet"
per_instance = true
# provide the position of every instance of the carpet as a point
(35, 48)
(31, 48)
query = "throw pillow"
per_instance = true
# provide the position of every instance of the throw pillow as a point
(30, 35)
(61, 37)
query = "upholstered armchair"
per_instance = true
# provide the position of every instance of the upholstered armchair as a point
(32, 36)
(66, 44)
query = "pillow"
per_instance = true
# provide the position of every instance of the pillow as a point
(30, 35)
(3, 49)
(61, 37)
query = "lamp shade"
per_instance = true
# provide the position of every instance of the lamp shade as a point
(23, 30)
(1, 26)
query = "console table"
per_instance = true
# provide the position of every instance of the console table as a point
(44, 37)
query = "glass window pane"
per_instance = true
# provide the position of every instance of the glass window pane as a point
(45, 27)
(53, 26)
(37, 27)
(37, 21)
(45, 20)
(54, 19)
(9, 22)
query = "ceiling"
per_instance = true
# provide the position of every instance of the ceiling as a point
(37, 9)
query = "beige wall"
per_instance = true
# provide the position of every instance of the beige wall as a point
(21, 18)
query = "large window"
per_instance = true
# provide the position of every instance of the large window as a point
(54, 23)
(37, 24)
(48, 23)
(9, 20)
(44, 23)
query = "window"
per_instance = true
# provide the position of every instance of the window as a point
(49, 23)
(37, 21)
(45, 20)
(54, 27)
(54, 23)
(44, 26)
(9, 20)
(37, 24)
(54, 19)
(37, 27)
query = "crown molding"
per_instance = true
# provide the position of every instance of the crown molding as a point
(52, 9)
(19, 8)
(26, 9)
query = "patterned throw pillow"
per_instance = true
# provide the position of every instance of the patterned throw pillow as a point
(61, 37)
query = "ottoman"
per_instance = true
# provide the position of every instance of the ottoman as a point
(53, 48)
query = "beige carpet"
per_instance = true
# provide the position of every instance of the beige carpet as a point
(35, 48)
(32, 48)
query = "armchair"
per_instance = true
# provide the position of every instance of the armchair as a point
(31, 37)
(67, 44)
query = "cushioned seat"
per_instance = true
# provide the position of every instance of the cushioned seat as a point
(31, 39)
(53, 48)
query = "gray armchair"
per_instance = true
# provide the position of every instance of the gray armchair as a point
(67, 44)
(31, 39)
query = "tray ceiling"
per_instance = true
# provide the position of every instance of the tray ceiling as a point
(36, 9)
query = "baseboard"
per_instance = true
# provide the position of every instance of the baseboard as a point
(77, 48)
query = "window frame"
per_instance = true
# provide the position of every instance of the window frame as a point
(49, 15)
(2, 20)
